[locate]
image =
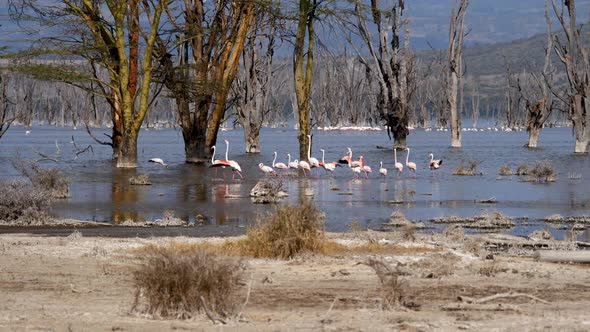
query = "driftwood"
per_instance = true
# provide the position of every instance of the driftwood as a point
(470, 300)
(480, 307)
(562, 256)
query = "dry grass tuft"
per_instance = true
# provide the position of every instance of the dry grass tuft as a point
(542, 171)
(21, 204)
(522, 170)
(47, 179)
(287, 232)
(454, 232)
(355, 227)
(467, 168)
(177, 281)
(140, 180)
(505, 171)
(392, 288)
(409, 233)
(267, 191)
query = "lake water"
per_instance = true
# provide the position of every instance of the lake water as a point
(101, 192)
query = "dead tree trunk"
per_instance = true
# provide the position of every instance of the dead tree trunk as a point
(390, 64)
(253, 83)
(456, 35)
(540, 112)
(574, 55)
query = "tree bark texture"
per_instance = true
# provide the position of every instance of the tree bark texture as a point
(303, 70)
(456, 35)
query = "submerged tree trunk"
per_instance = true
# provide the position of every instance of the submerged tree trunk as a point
(580, 117)
(456, 35)
(252, 138)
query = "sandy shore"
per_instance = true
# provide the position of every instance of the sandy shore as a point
(86, 283)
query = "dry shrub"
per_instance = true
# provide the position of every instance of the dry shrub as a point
(140, 180)
(437, 265)
(287, 232)
(176, 281)
(505, 171)
(22, 204)
(542, 171)
(491, 269)
(467, 168)
(48, 179)
(355, 227)
(267, 191)
(454, 232)
(522, 170)
(392, 288)
(409, 233)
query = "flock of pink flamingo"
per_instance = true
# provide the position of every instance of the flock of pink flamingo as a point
(356, 166)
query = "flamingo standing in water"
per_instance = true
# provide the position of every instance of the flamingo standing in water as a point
(382, 170)
(279, 165)
(329, 167)
(266, 169)
(313, 162)
(217, 162)
(355, 165)
(397, 165)
(304, 165)
(434, 163)
(292, 164)
(232, 163)
(364, 167)
(410, 164)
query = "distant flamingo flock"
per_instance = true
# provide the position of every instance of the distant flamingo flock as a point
(358, 167)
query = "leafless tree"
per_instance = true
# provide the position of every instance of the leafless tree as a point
(389, 62)
(255, 77)
(456, 36)
(574, 54)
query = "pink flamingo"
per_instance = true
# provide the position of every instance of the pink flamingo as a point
(266, 169)
(329, 167)
(382, 170)
(410, 164)
(232, 163)
(305, 166)
(364, 167)
(279, 165)
(292, 164)
(397, 165)
(217, 162)
(434, 163)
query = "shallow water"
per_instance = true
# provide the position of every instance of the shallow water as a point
(101, 192)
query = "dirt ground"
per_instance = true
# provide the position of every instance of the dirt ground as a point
(86, 283)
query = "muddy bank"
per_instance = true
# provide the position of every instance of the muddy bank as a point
(449, 281)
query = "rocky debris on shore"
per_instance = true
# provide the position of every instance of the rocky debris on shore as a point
(487, 220)
(267, 191)
(397, 219)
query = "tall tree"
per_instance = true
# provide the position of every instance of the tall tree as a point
(209, 39)
(107, 33)
(252, 87)
(303, 69)
(390, 63)
(456, 35)
(574, 54)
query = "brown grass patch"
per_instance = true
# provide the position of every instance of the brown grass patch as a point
(21, 204)
(140, 180)
(522, 170)
(543, 171)
(505, 171)
(467, 168)
(289, 231)
(47, 179)
(176, 281)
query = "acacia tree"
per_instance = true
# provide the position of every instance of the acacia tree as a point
(390, 63)
(303, 69)
(209, 39)
(574, 54)
(106, 32)
(456, 35)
